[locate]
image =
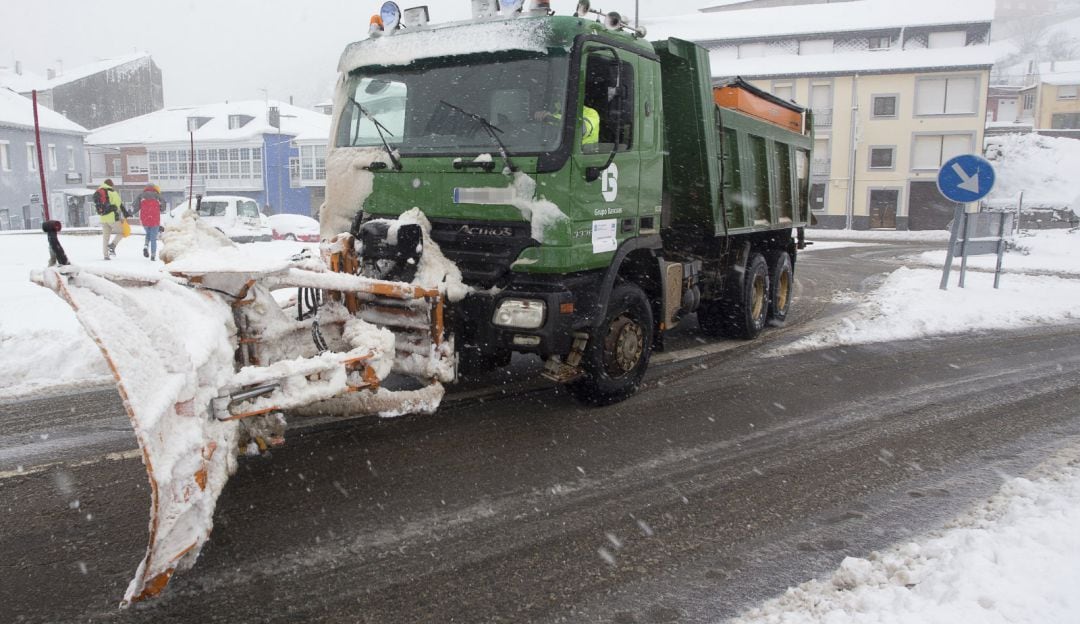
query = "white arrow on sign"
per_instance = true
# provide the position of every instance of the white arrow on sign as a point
(970, 182)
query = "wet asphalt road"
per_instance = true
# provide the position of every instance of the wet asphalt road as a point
(730, 476)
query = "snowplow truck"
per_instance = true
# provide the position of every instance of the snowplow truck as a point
(593, 188)
(532, 183)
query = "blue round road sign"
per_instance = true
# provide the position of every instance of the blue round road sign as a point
(966, 178)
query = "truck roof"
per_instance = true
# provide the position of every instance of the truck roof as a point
(527, 33)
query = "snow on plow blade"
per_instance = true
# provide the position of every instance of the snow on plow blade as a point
(206, 361)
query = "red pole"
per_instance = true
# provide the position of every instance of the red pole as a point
(41, 162)
(191, 172)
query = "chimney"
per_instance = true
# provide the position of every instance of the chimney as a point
(18, 68)
(290, 100)
(50, 73)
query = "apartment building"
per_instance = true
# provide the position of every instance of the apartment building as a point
(896, 90)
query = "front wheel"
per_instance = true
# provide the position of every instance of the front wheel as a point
(618, 351)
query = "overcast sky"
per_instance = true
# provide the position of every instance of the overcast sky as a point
(227, 49)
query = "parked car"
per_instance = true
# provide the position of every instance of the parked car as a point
(237, 217)
(294, 227)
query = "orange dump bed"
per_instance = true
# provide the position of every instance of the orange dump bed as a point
(742, 100)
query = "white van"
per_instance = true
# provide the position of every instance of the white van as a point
(236, 217)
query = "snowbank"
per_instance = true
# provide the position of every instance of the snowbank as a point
(910, 305)
(1041, 251)
(1014, 558)
(1044, 168)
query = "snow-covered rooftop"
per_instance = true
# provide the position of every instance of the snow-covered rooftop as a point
(171, 124)
(851, 62)
(23, 82)
(29, 81)
(1060, 72)
(16, 110)
(863, 15)
(90, 69)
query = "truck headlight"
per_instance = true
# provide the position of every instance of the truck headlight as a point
(520, 313)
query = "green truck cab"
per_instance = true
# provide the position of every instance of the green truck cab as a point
(581, 244)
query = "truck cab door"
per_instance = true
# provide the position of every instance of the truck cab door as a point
(606, 161)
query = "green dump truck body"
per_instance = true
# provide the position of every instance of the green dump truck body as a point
(727, 171)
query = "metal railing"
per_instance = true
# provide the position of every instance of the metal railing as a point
(820, 167)
(822, 117)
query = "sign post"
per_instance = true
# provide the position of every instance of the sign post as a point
(964, 179)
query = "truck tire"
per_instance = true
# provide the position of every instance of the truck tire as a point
(781, 282)
(744, 308)
(618, 351)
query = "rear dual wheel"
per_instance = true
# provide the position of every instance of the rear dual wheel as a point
(744, 309)
(781, 281)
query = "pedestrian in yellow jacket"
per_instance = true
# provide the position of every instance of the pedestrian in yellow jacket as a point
(110, 209)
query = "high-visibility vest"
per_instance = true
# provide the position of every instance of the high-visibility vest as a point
(590, 126)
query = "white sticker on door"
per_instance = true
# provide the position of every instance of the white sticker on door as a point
(603, 235)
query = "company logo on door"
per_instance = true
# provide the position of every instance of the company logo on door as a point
(609, 183)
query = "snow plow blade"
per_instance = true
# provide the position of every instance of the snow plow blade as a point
(207, 361)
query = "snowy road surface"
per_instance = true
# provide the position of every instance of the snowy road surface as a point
(732, 476)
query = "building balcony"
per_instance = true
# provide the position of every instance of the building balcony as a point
(823, 118)
(820, 167)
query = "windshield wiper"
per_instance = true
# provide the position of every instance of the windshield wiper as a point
(381, 129)
(491, 130)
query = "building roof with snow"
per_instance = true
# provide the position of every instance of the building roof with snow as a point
(20, 80)
(839, 38)
(1060, 72)
(241, 121)
(819, 19)
(18, 112)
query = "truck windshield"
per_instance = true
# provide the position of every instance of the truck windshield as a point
(522, 98)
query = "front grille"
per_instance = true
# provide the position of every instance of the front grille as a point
(483, 250)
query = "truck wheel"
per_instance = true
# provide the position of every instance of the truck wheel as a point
(781, 281)
(744, 309)
(618, 351)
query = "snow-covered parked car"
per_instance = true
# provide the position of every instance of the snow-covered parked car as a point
(294, 227)
(235, 216)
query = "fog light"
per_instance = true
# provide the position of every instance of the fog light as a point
(521, 340)
(522, 313)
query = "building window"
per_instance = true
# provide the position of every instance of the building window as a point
(821, 104)
(884, 105)
(784, 90)
(946, 96)
(820, 157)
(882, 157)
(243, 164)
(52, 157)
(239, 121)
(137, 164)
(1067, 92)
(1065, 121)
(1029, 101)
(948, 39)
(5, 156)
(930, 150)
(815, 46)
(31, 157)
(71, 158)
(879, 43)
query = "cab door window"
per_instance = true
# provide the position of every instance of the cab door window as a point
(608, 103)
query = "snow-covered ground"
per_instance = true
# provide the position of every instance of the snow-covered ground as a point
(1013, 558)
(44, 347)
